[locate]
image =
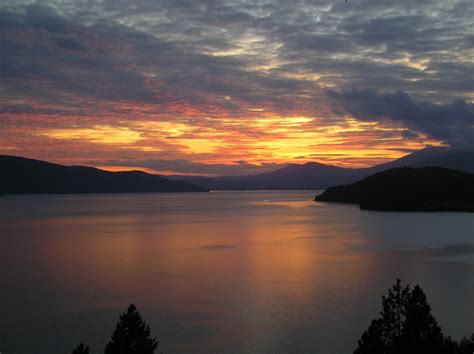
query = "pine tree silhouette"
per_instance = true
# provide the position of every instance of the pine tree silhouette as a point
(466, 345)
(406, 325)
(81, 349)
(421, 332)
(131, 335)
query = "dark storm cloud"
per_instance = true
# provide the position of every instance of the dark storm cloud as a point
(451, 122)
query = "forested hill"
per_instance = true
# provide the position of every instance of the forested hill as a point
(408, 189)
(26, 176)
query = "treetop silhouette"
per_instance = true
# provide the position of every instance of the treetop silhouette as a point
(81, 349)
(406, 325)
(131, 335)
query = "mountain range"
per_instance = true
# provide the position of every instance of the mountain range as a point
(20, 175)
(314, 175)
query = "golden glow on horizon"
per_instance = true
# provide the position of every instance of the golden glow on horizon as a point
(265, 139)
(124, 168)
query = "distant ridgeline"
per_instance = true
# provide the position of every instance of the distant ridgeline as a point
(25, 176)
(314, 175)
(20, 175)
(408, 189)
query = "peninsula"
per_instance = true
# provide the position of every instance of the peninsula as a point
(408, 189)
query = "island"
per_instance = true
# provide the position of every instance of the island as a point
(408, 189)
(27, 176)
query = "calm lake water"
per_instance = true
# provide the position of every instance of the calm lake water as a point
(220, 272)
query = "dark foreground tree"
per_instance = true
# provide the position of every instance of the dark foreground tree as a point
(406, 325)
(465, 345)
(132, 335)
(81, 349)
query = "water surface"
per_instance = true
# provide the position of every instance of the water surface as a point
(222, 271)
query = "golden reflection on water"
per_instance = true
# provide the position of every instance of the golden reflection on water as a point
(255, 271)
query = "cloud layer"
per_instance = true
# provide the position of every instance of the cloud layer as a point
(452, 122)
(234, 86)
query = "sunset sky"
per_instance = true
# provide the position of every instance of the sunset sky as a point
(225, 87)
